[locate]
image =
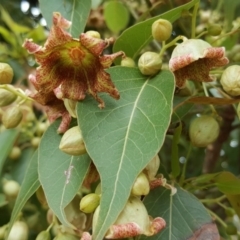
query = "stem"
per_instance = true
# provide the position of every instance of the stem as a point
(217, 200)
(194, 17)
(217, 218)
(185, 166)
(201, 34)
(207, 95)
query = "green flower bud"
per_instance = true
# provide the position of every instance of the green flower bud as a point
(214, 29)
(149, 63)
(231, 229)
(72, 142)
(6, 97)
(44, 235)
(141, 185)
(71, 107)
(161, 30)
(12, 117)
(230, 212)
(203, 131)
(35, 141)
(127, 62)
(6, 73)
(11, 188)
(89, 203)
(230, 80)
(19, 231)
(15, 153)
(94, 34)
(152, 167)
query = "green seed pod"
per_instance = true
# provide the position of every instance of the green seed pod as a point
(89, 203)
(149, 63)
(15, 153)
(6, 97)
(141, 185)
(161, 30)
(6, 73)
(12, 117)
(127, 62)
(44, 235)
(214, 29)
(72, 142)
(203, 131)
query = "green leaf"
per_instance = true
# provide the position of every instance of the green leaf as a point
(184, 214)
(133, 39)
(29, 186)
(60, 174)
(73, 10)
(96, 3)
(116, 15)
(7, 139)
(235, 202)
(123, 137)
(174, 152)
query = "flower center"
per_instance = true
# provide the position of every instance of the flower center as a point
(76, 55)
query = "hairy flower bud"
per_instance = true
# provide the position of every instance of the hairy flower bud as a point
(19, 231)
(89, 203)
(141, 185)
(6, 97)
(72, 142)
(44, 235)
(127, 62)
(161, 30)
(230, 80)
(203, 131)
(12, 117)
(214, 29)
(149, 63)
(6, 73)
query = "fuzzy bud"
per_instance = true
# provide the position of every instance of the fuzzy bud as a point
(203, 131)
(12, 117)
(19, 231)
(6, 97)
(44, 235)
(72, 142)
(149, 63)
(230, 80)
(127, 62)
(6, 73)
(141, 185)
(161, 30)
(214, 29)
(89, 203)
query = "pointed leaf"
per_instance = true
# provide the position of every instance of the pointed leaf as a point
(73, 10)
(122, 138)
(184, 214)
(29, 186)
(7, 139)
(132, 40)
(60, 174)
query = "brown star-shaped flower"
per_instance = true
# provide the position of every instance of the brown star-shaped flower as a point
(193, 59)
(70, 68)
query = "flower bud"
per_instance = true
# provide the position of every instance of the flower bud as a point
(44, 235)
(35, 141)
(6, 73)
(203, 131)
(141, 185)
(41, 197)
(94, 34)
(152, 167)
(214, 29)
(12, 117)
(6, 97)
(149, 63)
(230, 80)
(15, 153)
(71, 106)
(11, 188)
(127, 62)
(89, 203)
(72, 142)
(19, 231)
(161, 30)
(66, 236)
